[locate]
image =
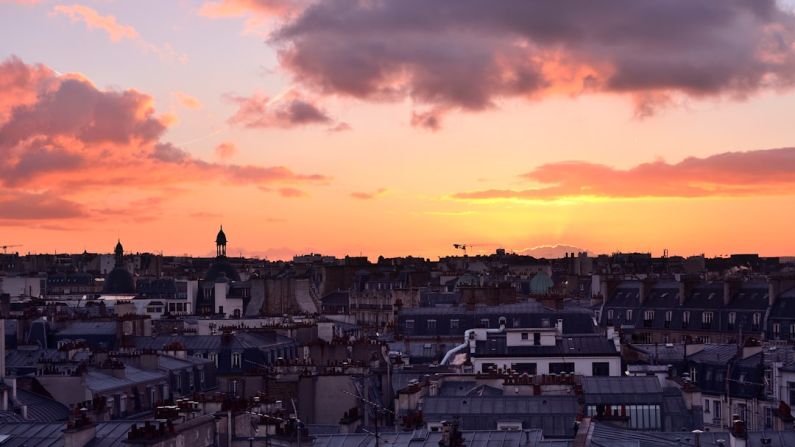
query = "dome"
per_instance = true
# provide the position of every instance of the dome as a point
(119, 281)
(220, 239)
(221, 267)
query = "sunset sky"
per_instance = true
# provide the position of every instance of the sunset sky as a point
(397, 127)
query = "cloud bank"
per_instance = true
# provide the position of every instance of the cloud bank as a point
(449, 55)
(750, 173)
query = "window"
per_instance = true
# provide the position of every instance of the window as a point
(716, 407)
(648, 318)
(201, 377)
(235, 360)
(409, 326)
(529, 368)
(609, 316)
(757, 320)
(706, 406)
(503, 321)
(525, 336)
(600, 369)
(152, 397)
(768, 417)
(732, 320)
(190, 380)
(742, 412)
(706, 320)
(792, 331)
(560, 368)
(629, 315)
(214, 358)
(685, 319)
(484, 322)
(776, 330)
(454, 325)
(693, 375)
(509, 426)
(536, 338)
(791, 389)
(431, 326)
(669, 315)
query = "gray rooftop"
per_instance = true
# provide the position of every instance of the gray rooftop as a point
(98, 381)
(423, 438)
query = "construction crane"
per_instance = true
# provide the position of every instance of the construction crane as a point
(6, 247)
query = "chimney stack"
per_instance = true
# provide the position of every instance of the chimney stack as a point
(738, 435)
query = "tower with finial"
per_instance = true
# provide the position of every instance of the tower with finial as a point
(119, 251)
(220, 243)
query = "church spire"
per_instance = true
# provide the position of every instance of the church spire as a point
(220, 243)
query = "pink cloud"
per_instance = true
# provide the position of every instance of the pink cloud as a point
(116, 31)
(63, 134)
(225, 150)
(751, 173)
(94, 20)
(236, 8)
(369, 195)
(18, 205)
(187, 101)
(288, 110)
(292, 193)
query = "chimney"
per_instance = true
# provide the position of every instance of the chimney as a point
(738, 437)
(80, 431)
(559, 326)
(773, 289)
(730, 286)
(685, 288)
(644, 290)
(682, 292)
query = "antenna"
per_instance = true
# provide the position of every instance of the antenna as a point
(6, 247)
(378, 410)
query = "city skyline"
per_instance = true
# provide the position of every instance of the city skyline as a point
(268, 117)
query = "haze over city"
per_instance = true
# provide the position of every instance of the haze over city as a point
(397, 128)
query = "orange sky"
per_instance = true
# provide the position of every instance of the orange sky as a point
(265, 117)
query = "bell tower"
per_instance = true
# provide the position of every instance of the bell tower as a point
(220, 243)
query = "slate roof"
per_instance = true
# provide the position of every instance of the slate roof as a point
(109, 434)
(555, 415)
(715, 354)
(581, 345)
(98, 381)
(238, 341)
(605, 435)
(622, 390)
(424, 438)
(502, 405)
(663, 353)
(467, 388)
(79, 328)
(42, 409)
